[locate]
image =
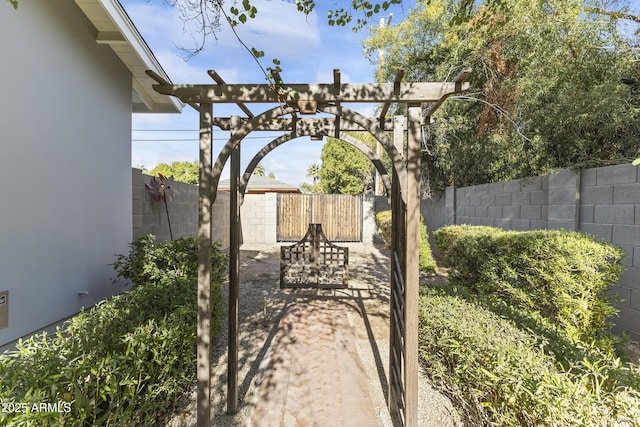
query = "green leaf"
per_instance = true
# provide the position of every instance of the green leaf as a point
(242, 18)
(257, 53)
(636, 162)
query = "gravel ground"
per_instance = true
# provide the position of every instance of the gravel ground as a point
(368, 299)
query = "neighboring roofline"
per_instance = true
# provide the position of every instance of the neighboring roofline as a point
(133, 50)
(255, 186)
(265, 190)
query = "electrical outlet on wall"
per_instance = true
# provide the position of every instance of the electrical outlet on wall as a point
(4, 309)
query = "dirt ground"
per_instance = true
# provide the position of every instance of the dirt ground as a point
(261, 302)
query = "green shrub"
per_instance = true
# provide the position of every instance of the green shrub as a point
(426, 260)
(562, 275)
(498, 375)
(128, 359)
(149, 262)
(427, 263)
(383, 218)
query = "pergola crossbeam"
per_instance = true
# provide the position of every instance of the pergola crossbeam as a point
(306, 124)
(321, 93)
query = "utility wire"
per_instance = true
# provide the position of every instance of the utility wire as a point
(196, 139)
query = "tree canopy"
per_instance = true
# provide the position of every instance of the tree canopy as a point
(345, 170)
(555, 85)
(181, 171)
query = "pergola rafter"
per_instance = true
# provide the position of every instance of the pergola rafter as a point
(307, 99)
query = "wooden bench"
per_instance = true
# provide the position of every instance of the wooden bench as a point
(314, 262)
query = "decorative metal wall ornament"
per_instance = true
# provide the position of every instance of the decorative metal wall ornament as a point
(162, 189)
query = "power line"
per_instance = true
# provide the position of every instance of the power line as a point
(196, 139)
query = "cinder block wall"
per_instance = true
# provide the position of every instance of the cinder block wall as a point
(604, 202)
(259, 217)
(149, 217)
(369, 225)
(610, 209)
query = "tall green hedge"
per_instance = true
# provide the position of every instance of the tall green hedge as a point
(128, 359)
(427, 263)
(498, 374)
(561, 275)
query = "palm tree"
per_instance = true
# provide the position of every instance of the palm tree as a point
(314, 172)
(259, 170)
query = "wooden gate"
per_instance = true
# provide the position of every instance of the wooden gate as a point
(339, 214)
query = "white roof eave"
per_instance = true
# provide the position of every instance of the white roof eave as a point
(115, 28)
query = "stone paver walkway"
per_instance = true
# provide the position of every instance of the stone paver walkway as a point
(314, 376)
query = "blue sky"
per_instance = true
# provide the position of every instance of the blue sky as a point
(307, 47)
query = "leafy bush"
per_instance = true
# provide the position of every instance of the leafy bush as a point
(383, 218)
(560, 275)
(128, 359)
(499, 375)
(427, 263)
(148, 262)
(426, 260)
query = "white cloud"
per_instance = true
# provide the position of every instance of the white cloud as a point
(281, 30)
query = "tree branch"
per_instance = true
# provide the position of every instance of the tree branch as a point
(614, 14)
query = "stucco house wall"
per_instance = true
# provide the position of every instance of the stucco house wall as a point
(65, 137)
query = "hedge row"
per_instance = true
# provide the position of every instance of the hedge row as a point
(426, 260)
(560, 275)
(499, 375)
(128, 359)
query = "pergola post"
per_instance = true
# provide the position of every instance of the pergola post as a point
(203, 340)
(412, 277)
(397, 226)
(234, 277)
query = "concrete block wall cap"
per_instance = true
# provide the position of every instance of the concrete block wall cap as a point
(495, 188)
(513, 186)
(618, 174)
(563, 179)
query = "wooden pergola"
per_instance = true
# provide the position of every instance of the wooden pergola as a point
(295, 104)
